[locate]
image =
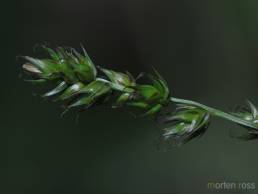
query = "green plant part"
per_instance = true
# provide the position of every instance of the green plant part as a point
(186, 123)
(79, 85)
(249, 114)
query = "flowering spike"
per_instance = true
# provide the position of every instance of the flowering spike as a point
(79, 85)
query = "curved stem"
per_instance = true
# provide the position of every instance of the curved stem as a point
(215, 112)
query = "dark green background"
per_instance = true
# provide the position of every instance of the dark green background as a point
(207, 50)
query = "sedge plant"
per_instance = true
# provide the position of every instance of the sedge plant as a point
(80, 85)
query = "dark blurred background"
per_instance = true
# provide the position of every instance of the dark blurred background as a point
(206, 49)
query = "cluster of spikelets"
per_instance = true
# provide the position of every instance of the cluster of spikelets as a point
(250, 115)
(80, 84)
(185, 123)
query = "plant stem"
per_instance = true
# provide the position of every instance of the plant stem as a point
(215, 112)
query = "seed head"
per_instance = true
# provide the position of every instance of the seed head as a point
(186, 123)
(250, 115)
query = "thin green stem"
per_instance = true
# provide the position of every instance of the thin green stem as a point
(215, 112)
